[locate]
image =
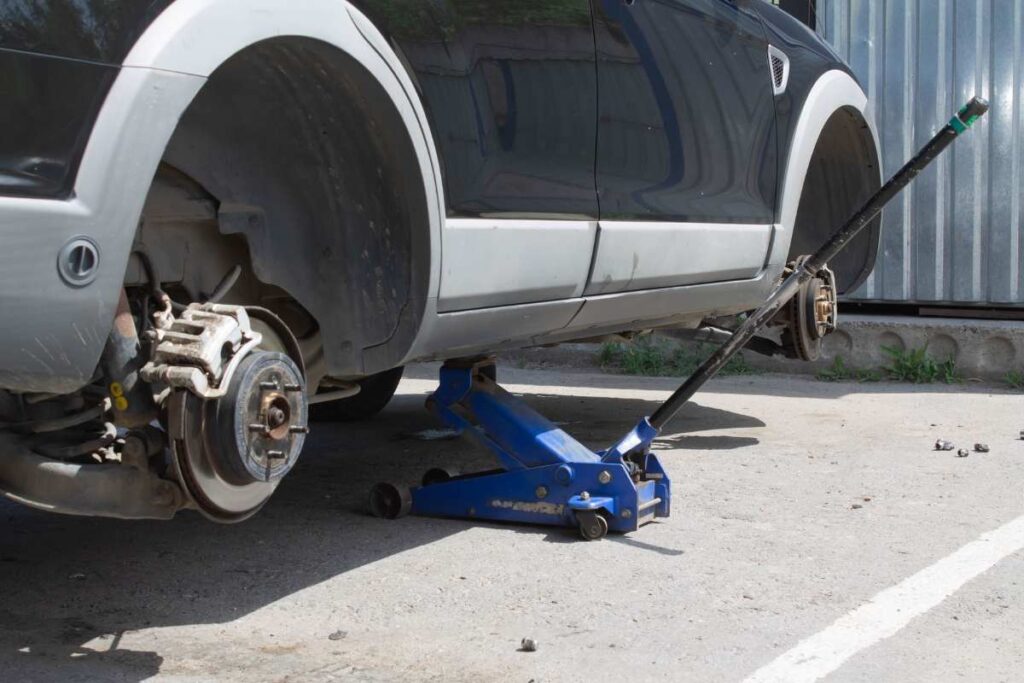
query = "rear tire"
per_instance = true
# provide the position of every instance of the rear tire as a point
(375, 392)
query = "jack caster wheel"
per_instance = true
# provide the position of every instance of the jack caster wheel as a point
(389, 501)
(438, 475)
(593, 526)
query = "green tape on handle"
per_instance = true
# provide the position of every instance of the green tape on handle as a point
(968, 114)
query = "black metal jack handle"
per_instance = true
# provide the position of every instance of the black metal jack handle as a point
(963, 120)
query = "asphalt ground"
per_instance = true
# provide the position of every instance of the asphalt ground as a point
(814, 534)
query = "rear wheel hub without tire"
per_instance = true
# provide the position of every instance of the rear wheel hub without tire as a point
(811, 315)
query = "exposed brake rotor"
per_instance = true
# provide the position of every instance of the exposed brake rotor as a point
(810, 315)
(275, 333)
(230, 453)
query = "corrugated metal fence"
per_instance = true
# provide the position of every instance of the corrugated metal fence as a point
(957, 236)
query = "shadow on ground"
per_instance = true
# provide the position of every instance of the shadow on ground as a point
(760, 384)
(73, 586)
(582, 359)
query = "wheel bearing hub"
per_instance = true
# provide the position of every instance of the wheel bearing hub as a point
(262, 420)
(810, 315)
(231, 452)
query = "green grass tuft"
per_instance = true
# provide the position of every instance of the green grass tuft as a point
(917, 366)
(655, 357)
(840, 372)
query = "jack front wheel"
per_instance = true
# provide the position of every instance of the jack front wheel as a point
(592, 525)
(389, 501)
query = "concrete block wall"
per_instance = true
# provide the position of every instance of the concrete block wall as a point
(982, 349)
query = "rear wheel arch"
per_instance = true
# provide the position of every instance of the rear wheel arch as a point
(832, 167)
(843, 173)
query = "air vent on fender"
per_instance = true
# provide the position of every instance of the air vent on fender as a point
(778, 62)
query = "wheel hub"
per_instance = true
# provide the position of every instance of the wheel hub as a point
(231, 452)
(810, 315)
(262, 420)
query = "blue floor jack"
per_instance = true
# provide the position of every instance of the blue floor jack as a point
(546, 476)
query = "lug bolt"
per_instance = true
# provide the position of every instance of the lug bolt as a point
(293, 387)
(272, 384)
(275, 455)
(299, 429)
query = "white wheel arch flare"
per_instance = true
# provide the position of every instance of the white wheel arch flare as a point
(834, 90)
(195, 37)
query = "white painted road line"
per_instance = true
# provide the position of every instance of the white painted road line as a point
(892, 609)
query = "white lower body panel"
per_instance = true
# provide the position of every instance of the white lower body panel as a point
(632, 256)
(498, 262)
(448, 335)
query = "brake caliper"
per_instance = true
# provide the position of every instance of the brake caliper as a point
(200, 349)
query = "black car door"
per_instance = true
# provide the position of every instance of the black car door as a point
(510, 90)
(511, 93)
(686, 154)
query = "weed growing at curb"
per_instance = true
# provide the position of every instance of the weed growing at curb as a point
(686, 359)
(653, 357)
(917, 366)
(840, 372)
(1014, 379)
